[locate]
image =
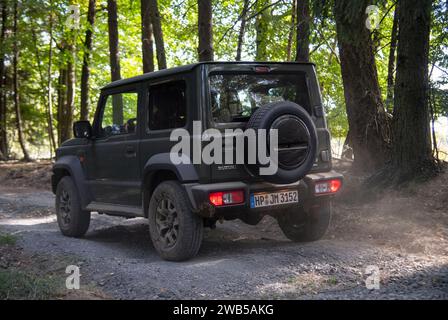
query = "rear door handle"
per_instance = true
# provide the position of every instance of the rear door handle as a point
(130, 152)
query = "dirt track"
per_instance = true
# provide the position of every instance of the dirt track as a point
(235, 261)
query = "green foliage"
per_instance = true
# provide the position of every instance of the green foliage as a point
(7, 239)
(439, 58)
(19, 285)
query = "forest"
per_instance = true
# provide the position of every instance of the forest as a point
(382, 66)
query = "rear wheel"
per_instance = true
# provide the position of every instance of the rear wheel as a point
(306, 226)
(176, 231)
(72, 220)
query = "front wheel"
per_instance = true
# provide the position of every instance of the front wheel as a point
(72, 220)
(176, 231)
(306, 226)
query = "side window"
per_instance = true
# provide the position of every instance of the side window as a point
(119, 114)
(167, 106)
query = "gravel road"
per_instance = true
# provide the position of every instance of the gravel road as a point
(236, 261)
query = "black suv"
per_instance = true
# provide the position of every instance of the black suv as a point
(122, 164)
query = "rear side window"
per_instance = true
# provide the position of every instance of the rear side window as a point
(167, 106)
(236, 96)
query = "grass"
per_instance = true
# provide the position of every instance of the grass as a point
(332, 281)
(21, 283)
(7, 239)
(16, 285)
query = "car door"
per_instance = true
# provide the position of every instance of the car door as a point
(114, 168)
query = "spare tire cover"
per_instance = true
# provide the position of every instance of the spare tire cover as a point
(297, 140)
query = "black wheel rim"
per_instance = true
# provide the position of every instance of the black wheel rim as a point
(167, 222)
(65, 206)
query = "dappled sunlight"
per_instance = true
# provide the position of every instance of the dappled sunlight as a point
(27, 222)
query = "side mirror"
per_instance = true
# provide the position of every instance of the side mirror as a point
(82, 129)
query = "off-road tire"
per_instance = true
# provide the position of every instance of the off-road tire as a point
(190, 226)
(306, 226)
(72, 220)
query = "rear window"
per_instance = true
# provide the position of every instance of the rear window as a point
(235, 97)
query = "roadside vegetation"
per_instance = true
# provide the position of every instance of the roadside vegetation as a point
(25, 276)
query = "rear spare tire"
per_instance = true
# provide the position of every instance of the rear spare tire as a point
(297, 140)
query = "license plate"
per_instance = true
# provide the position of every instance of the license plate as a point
(259, 200)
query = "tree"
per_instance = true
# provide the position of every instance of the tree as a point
(391, 63)
(114, 56)
(70, 87)
(291, 30)
(303, 31)
(262, 27)
(62, 99)
(66, 90)
(85, 73)
(411, 149)
(45, 84)
(205, 30)
(50, 89)
(242, 30)
(147, 35)
(158, 33)
(16, 86)
(368, 122)
(4, 152)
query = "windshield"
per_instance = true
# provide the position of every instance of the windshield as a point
(235, 97)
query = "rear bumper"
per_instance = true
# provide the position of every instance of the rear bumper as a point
(199, 195)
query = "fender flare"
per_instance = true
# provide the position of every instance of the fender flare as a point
(72, 165)
(184, 172)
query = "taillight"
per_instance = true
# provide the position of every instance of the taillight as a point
(328, 186)
(224, 198)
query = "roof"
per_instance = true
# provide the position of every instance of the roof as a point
(181, 69)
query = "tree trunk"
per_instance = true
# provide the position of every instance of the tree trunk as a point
(158, 33)
(147, 35)
(69, 108)
(291, 31)
(411, 150)
(303, 31)
(62, 102)
(261, 27)
(85, 74)
(368, 122)
(242, 30)
(114, 58)
(16, 85)
(3, 111)
(50, 90)
(391, 65)
(205, 30)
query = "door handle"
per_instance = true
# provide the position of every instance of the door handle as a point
(130, 152)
